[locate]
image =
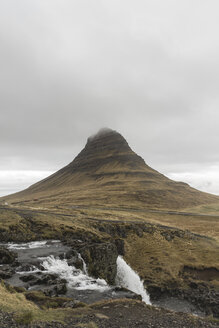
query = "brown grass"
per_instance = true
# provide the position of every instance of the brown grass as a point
(21, 308)
(161, 261)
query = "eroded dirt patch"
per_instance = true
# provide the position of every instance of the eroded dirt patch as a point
(205, 274)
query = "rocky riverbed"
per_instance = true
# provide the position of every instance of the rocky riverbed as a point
(56, 269)
(174, 264)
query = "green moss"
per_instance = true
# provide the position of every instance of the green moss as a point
(18, 289)
(46, 302)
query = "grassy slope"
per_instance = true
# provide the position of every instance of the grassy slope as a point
(118, 191)
(162, 258)
(161, 262)
(158, 261)
(17, 303)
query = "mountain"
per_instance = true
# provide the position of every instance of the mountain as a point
(108, 173)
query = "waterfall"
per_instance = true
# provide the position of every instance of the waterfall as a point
(84, 264)
(76, 278)
(128, 278)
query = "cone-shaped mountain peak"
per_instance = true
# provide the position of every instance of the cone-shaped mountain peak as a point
(106, 148)
(108, 172)
(107, 139)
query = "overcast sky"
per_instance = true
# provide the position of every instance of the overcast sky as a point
(148, 69)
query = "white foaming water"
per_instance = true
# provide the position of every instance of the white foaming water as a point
(32, 244)
(33, 269)
(84, 264)
(75, 277)
(128, 278)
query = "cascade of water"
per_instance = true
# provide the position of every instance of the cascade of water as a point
(79, 279)
(84, 264)
(32, 244)
(128, 278)
(75, 277)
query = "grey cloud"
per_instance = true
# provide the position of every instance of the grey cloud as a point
(148, 69)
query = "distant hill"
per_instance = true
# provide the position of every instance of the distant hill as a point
(108, 173)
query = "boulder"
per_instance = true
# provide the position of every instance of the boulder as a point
(55, 290)
(126, 293)
(6, 272)
(28, 277)
(46, 279)
(39, 298)
(6, 256)
(101, 260)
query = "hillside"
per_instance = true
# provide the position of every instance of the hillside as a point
(109, 202)
(108, 173)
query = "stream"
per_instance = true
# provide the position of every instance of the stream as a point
(43, 266)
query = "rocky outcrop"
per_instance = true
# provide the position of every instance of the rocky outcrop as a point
(101, 260)
(6, 256)
(45, 301)
(8, 261)
(205, 298)
(6, 271)
(50, 284)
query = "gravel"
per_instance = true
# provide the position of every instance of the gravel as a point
(126, 314)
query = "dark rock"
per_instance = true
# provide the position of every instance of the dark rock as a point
(101, 260)
(76, 262)
(71, 254)
(155, 291)
(42, 300)
(206, 299)
(126, 293)
(149, 229)
(28, 277)
(120, 246)
(6, 256)
(72, 258)
(114, 230)
(24, 268)
(19, 289)
(55, 290)
(48, 279)
(6, 272)
(139, 231)
(168, 235)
